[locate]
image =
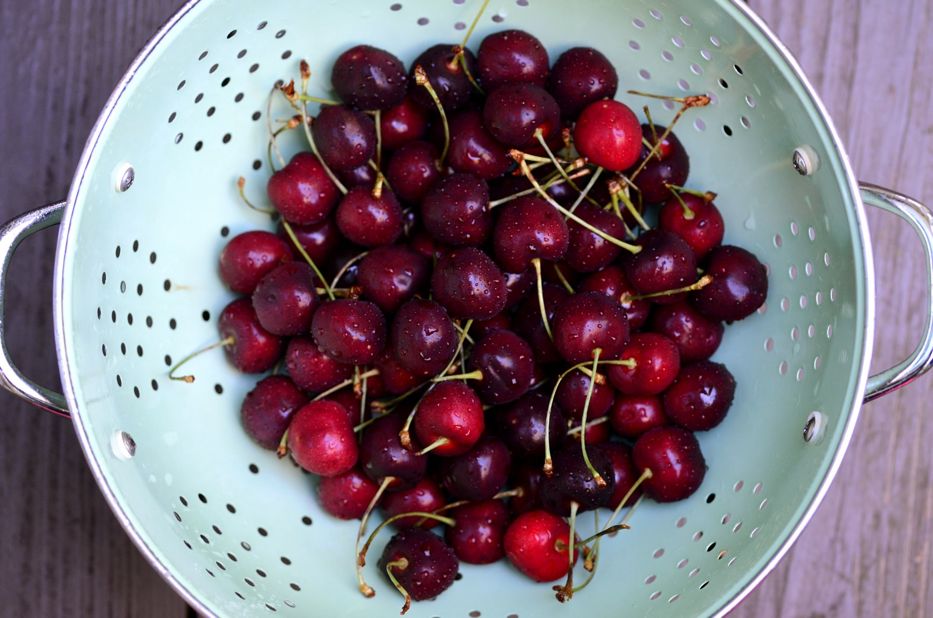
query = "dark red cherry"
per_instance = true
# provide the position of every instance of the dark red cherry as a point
(473, 150)
(611, 282)
(507, 363)
(633, 415)
(346, 138)
(701, 396)
(449, 418)
(425, 497)
(302, 191)
(456, 211)
(517, 286)
(421, 563)
(696, 336)
(254, 349)
(382, 454)
(480, 473)
(537, 543)
(509, 57)
(350, 331)
(529, 228)
(268, 408)
(412, 170)
(423, 243)
(572, 481)
(312, 369)
(321, 439)
(608, 134)
(403, 123)
(344, 260)
(367, 220)
(369, 78)
(571, 396)
(446, 75)
(665, 262)
(249, 257)
(482, 328)
(590, 252)
(672, 167)
(623, 471)
(319, 240)
(514, 112)
(347, 495)
(587, 321)
(528, 478)
(389, 276)
(362, 176)
(522, 425)
(696, 220)
(677, 465)
(469, 284)
(529, 325)
(739, 285)
(657, 363)
(286, 298)
(395, 379)
(423, 337)
(582, 76)
(477, 537)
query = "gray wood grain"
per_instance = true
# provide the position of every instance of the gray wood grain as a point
(868, 550)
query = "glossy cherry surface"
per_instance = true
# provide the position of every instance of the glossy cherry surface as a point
(268, 408)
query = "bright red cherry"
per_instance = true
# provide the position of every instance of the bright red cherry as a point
(608, 134)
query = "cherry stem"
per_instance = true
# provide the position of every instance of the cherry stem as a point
(706, 196)
(463, 333)
(539, 135)
(600, 481)
(556, 180)
(511, 493)
(305, 124)
(654, 131)
(189, 378)
(688, 212)
(361, 554)
(541, 306)
(565, 592)
(390, 404)
(618, 193)
(402, 564)
(421, 79)
(241, 189)
(694, 100)
(317, 271)
(343, 269)
(369, 374)
(573, 217)
(548, 467)
(479, 15)
(460, 59)
(604, 532)
(703, 281)
(593, 423)
(473, 375)
(365, 589)
(378, 122)
(282, 449)
(436, 444)
(307, 98)
(586, 191)
(590, 556)
(563, 279)
(688, 102)
(645, 475)
(273, 146)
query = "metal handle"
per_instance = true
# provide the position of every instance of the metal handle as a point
(920, 361)
(11, 378)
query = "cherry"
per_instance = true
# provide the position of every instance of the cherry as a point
(350, 331)
(514, 112)
(456, 211)
(695, 219)
(368, 220)
(425, 497)
(701, 396)
(529, 228)
(402, 123)
(573, 481)
(498, 322)
(473, 150)
(590, 252)
(480, 473)
(321, 439)
(345, 261)
(389, 276)
(302, 191)
(469, 284)
(677, 465)
(449, 419)
(511, 56)
(250, 256)
(346, 138)
(517, 286)
(537, 544)
(346, 495)
(362, 176)
(582, 76)
(412, 170)
(738, 288)
(369, 78)
(507, 365)
(319, 240)
(422, 564)
(696, 336)
(446, 75)
(522, 425)
(589, 321)
(633, 415)
(571, 396)
(312, 369)
(268, 408)
(608, 134)
(623, 472)
(424, 243)
(423, 338)
(526, 477)
(286, 298)
(351, 401)
(382, 455)
(250, 347)
(395, 379)
(529, 325)
(477, 537)
(666, 262)
(669, 165)
(611, 282)
(657, 363)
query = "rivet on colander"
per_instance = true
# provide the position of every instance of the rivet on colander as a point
(124, 175)
(815, 428)
(122, 445)
(805, 160)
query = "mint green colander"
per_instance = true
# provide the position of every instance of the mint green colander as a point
(237, 532)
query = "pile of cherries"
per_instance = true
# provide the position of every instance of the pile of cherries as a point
(468, 320)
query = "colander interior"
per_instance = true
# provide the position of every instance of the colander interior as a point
(239, 530)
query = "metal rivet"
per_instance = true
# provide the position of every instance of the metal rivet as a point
(124, 176)
(122, 445)
(815, 428)
(806, 161)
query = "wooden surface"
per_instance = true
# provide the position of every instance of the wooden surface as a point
(866, 553)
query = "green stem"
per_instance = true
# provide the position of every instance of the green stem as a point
(307, 98)
(317, 153)
(365, 589)
(369, 374)
(541, 305)
(563, 279)
(473, 375)
(291, 234)
(189, 378)
(586, 191)
(343, 269)
(600, 481)
(469, 32)
(421, 79)
(401, 563)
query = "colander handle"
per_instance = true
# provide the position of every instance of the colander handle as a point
(11, 378)
(921, 219)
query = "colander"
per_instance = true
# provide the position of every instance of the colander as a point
(237, 532)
